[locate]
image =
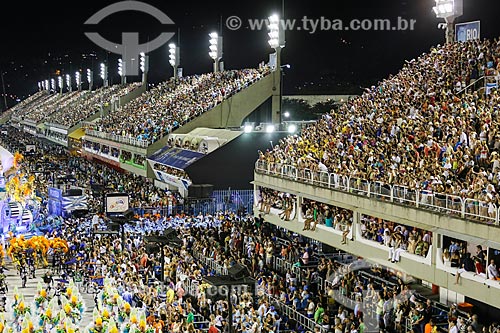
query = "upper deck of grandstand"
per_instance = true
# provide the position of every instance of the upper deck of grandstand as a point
(72, 107)
(173, 103)
(89, 104)
(418, 129)
(26, 102)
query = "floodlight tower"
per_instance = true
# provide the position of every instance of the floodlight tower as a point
(449, 10)
(68, 83)
(78, 79)
(122, 71)
(174, 58)
(144, 65)
(60, 84)
(90, 78)
(104, 74)
(277, 42)
(215, 49)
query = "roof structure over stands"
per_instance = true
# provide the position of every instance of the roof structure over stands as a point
(176, 157)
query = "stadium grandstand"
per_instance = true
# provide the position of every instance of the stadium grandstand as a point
(174, 103)
(407, 173)
(119, 213)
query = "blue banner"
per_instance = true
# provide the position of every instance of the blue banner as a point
(72, 203)
(468, 31)
(176, 157)
(55, 193)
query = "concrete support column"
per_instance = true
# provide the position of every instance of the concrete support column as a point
(277, 87)
(437, 243)
(356, 218)
(298, 208)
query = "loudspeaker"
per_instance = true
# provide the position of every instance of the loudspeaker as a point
(73, 192)
(238, 272)
(206, 190)
(194, 191)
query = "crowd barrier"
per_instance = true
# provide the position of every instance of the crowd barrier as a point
(221, 200)
(117, 138)
(467, 208)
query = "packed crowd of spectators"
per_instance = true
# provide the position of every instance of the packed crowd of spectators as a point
(69, 108)
(227, 240)
(90, 104)
(175, 102)
(414, 129)
(35, 98)
(52, 161)
(65, 101)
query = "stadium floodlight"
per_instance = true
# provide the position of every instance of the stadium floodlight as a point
(270, 128)
(292, 128)
(60, 83)
(215, 49)
(143, 62)
(286, 114)
(39, 85)
(121, 70)
(47, 86)
(90, 78)
(78, 79)
(53, 85)
(120, 67)
(144, 65)
(104, 74)
(68, 82)
(449, 10)
(276, 32)
(248, 129)
(174, 57)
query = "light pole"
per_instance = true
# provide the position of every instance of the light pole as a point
(174, 58)
(277, 42)
(104, 74)
(78, 80)
(60, 84)
(90, 78)
(449, 10)
(47, 86)
(144, 64)
(68, 83)
(215, 49)
(122, 71)
(39, 86)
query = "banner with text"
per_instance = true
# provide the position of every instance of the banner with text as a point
(467, 31)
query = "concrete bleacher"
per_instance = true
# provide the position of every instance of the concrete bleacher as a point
(228, 114)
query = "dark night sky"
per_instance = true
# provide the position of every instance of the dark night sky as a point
(49, 37)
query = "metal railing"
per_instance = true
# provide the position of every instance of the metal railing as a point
(117, 138)
(466, 208)
(51, 124)
(282, 308)
(293, 314)
(210, 263)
